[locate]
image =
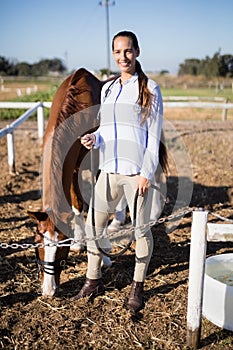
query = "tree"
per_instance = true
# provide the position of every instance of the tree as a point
(23, 69)
(226, 66)
(5, 65)
(190, 66)
(217, 66)
(164, 71)
(43, 67)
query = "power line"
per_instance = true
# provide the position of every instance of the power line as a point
(107, 3)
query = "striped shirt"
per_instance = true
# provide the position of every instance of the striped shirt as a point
(127, 146)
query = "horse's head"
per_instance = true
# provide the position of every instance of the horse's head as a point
(50, 257)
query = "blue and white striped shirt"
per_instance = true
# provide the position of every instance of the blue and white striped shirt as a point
(126, 146)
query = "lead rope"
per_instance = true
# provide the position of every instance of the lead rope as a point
(101, 250)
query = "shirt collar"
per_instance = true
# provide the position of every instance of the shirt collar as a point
(133, 79)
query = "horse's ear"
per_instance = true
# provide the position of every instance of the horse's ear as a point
(38, 215)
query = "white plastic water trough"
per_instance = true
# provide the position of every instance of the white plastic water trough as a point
(218, 291)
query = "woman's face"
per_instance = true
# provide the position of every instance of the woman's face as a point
(125, 54)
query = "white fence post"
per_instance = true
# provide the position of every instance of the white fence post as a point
(224, 112)
(40, 123)
(11, 152)
(196, 277)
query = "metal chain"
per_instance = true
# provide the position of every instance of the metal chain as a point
(72, 241)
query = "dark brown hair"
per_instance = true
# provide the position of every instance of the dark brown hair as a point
(144, 96)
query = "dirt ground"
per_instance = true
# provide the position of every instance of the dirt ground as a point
(200, 154)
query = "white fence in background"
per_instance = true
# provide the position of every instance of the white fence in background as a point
(198, 102)
(32, 107)
(9, 129)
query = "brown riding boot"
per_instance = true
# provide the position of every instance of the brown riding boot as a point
(90, 288)
(135, 299)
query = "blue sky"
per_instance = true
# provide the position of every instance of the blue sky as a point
(169, 31)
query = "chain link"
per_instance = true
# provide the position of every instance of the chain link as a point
(72, 241)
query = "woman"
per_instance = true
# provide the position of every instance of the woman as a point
(128, 138)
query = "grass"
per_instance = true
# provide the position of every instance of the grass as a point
(45, 92)
(201, 92)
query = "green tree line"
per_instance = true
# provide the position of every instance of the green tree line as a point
(217, 66)
(42, 68)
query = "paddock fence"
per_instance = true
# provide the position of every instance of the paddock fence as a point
(198, 102)
(9, 130)
(38, 107)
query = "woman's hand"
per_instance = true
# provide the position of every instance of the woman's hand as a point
(88, 140)
(142, 185)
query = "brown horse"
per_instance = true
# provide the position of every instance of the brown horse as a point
(73, 113)
(62, 157)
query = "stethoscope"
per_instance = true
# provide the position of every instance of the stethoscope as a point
(137, 107)
(109, 90)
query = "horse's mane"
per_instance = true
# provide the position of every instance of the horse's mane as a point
(70, 104)
(79, 87)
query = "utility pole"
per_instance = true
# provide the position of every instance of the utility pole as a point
(107, 3)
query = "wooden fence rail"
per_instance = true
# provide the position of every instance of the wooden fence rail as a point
(9, 129)
(195, 102)
(193, 98)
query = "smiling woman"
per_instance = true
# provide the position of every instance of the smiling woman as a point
(125, 53)
(129, 136)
